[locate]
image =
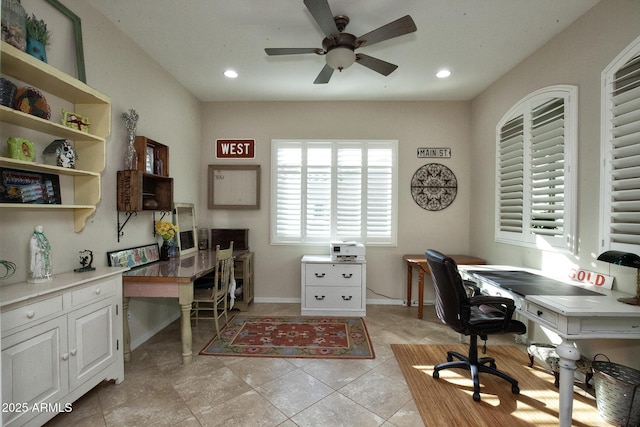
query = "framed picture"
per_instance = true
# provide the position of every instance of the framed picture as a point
(184, 216)
(234, 186)
(148, 159)
(18, 186)
(134, 257)
(77, 36)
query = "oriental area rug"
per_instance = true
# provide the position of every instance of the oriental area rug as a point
(300, 336)
(448, 400)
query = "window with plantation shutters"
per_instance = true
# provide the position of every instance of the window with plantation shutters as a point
(334, 190)
(535, 197)
(620, 204)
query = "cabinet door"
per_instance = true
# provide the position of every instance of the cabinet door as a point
(92, 343)
(34, 369)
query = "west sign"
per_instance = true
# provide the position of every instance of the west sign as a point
(235, 148)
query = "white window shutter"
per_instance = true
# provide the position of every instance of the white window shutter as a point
(510, 167)
(536, 151)
(334, 190)
(621, 151)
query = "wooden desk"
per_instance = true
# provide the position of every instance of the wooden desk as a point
(167, 279)
(572, 317)
(420, 262)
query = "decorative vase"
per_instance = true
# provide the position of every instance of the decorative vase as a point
(36, 49)
(164, 250)
(131, 157)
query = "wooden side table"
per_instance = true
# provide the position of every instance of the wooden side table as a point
(420, 262)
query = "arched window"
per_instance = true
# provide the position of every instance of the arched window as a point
(620, 182)
(535, 170)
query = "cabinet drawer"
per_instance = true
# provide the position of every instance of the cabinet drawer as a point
(94, 292)
(333, 274)
(31, 313)
(331, 297)
(542, 313)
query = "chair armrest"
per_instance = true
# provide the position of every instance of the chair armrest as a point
(475, 289)
(505, 305)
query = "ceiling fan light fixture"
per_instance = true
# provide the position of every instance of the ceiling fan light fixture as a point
(340, 58)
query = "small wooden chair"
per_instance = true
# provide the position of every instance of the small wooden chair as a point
(211, 292)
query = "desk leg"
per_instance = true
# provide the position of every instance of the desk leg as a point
(409, 283)
(568, 354)
(420, 293)
(185, 299)
(126, 333)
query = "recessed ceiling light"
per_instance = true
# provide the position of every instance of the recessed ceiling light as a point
(230, 74)
(443, 74)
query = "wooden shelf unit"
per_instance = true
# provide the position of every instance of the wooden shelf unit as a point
(142, 145)
(136, 186)
(90, 147)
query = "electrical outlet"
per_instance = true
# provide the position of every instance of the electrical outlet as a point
(414, 302)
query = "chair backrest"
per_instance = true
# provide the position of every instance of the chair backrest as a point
(224, 265)
(450, 290)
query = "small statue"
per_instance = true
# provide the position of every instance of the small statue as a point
(86, 259)
(40, 249)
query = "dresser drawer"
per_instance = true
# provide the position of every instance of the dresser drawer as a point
(542, 313)
(331, 297)
(333, 275)
(31, 313)
(94, 292)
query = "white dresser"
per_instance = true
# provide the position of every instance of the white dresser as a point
(333, 288)
(59, 340)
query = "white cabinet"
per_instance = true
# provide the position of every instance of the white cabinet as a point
(333, 288)
(59, 340)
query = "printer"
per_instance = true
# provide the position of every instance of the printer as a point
(347, 251)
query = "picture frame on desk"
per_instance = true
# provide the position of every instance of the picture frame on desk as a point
(134, 257)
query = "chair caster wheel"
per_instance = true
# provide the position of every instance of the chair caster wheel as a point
(436, 374)
(476, 397)
(515, 389)
(493, 365)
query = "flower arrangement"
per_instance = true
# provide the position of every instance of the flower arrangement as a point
(166, 230)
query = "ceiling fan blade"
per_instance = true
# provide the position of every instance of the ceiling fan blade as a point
(377, 65)
(321, 12)
(291, 50)
(399, 27)
(324, 76)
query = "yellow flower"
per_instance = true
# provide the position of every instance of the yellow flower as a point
(166, 229)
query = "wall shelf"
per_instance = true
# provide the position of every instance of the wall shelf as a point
(90, 147)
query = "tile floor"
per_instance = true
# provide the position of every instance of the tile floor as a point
(214, 391)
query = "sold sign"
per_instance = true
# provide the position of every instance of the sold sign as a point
(596, 279)
(235, 148)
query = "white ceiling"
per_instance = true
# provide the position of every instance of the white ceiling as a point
(479, 40)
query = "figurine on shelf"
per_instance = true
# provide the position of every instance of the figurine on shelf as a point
(86, 259)
(130, 120)
(40, 249)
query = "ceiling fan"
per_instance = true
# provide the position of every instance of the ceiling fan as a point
(339, 47)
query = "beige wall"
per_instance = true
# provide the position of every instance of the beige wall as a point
(413, 124)
(577, 57)
(168, 114)
(116, 66)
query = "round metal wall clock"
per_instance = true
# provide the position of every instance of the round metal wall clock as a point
(434, 187)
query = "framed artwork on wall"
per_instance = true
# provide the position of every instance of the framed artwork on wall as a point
(234, 186)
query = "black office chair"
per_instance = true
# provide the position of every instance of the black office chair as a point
(476, 316)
